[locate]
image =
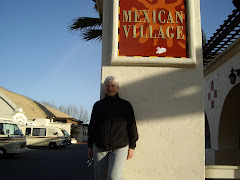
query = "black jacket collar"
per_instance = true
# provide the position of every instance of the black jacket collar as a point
(112, 98)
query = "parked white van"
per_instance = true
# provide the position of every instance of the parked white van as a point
(43, 136)
(12, 141)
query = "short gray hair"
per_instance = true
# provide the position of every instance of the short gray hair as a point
(110, 79)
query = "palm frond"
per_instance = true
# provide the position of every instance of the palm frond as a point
(89, 28)
(92, 34)
(85, 23)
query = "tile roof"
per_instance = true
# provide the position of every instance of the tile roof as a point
(33, 109)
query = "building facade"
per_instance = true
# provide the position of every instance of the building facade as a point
(222, 97)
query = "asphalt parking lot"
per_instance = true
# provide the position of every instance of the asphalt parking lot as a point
(48, 164)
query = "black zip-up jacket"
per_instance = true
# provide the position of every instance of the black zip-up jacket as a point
(112, 124)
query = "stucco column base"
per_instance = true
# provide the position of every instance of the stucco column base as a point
(222, 156)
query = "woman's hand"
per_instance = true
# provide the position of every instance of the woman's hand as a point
(130, 153)
(90, 153)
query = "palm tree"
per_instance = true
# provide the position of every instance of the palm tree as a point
(89, 28)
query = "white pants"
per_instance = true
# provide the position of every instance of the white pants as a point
(108, 165)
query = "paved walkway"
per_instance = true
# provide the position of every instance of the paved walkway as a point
(49, 164)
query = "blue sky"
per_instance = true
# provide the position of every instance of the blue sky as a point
(40, 59)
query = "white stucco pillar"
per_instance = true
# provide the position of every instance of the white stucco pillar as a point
(167, 96)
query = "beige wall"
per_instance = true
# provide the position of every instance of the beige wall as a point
(168, 105)
(169, 112)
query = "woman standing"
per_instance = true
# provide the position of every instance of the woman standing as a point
(112, 133)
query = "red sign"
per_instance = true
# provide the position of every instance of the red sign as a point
(152, 28)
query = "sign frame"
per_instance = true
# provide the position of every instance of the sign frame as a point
(190, 61)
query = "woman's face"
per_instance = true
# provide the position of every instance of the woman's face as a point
(111, 88)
